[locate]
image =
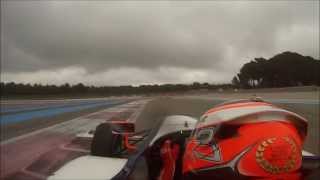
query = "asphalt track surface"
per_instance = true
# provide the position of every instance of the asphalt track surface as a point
(20, 117)
(37, 154)
(19, 112)
(33, 148)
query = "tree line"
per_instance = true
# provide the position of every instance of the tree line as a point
(12, 89)
(282, 70)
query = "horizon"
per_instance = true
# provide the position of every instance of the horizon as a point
(150, 84)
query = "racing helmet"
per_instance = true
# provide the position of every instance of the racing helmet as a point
(249, 138)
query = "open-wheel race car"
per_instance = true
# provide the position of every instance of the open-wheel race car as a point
(243, 139)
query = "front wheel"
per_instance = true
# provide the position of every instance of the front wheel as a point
(104, 143)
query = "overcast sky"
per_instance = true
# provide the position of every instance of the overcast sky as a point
(118, 43)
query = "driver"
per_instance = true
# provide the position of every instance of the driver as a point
(245, 139)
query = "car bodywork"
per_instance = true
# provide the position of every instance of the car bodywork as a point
(123, 165)
(172, 149)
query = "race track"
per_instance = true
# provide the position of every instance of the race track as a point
(38, 137)
(20, 117)
(38, 153)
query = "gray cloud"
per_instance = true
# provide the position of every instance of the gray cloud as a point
(211, 38)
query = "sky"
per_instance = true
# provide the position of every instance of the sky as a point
(109, 43)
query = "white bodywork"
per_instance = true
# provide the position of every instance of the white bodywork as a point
(85, 134)
(307, 153)
(90, 167)
(95, 167)
(174, 124)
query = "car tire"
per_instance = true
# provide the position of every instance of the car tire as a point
(103, 142)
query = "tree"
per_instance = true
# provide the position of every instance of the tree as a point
(235, 81)
(285, 69)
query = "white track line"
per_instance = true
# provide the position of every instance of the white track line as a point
(54, 126)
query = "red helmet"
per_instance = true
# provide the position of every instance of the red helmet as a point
(249, 138)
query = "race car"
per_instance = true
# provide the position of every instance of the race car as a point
(243, 139)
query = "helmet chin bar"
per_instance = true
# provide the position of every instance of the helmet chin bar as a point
(215, 155)
(231, 164)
